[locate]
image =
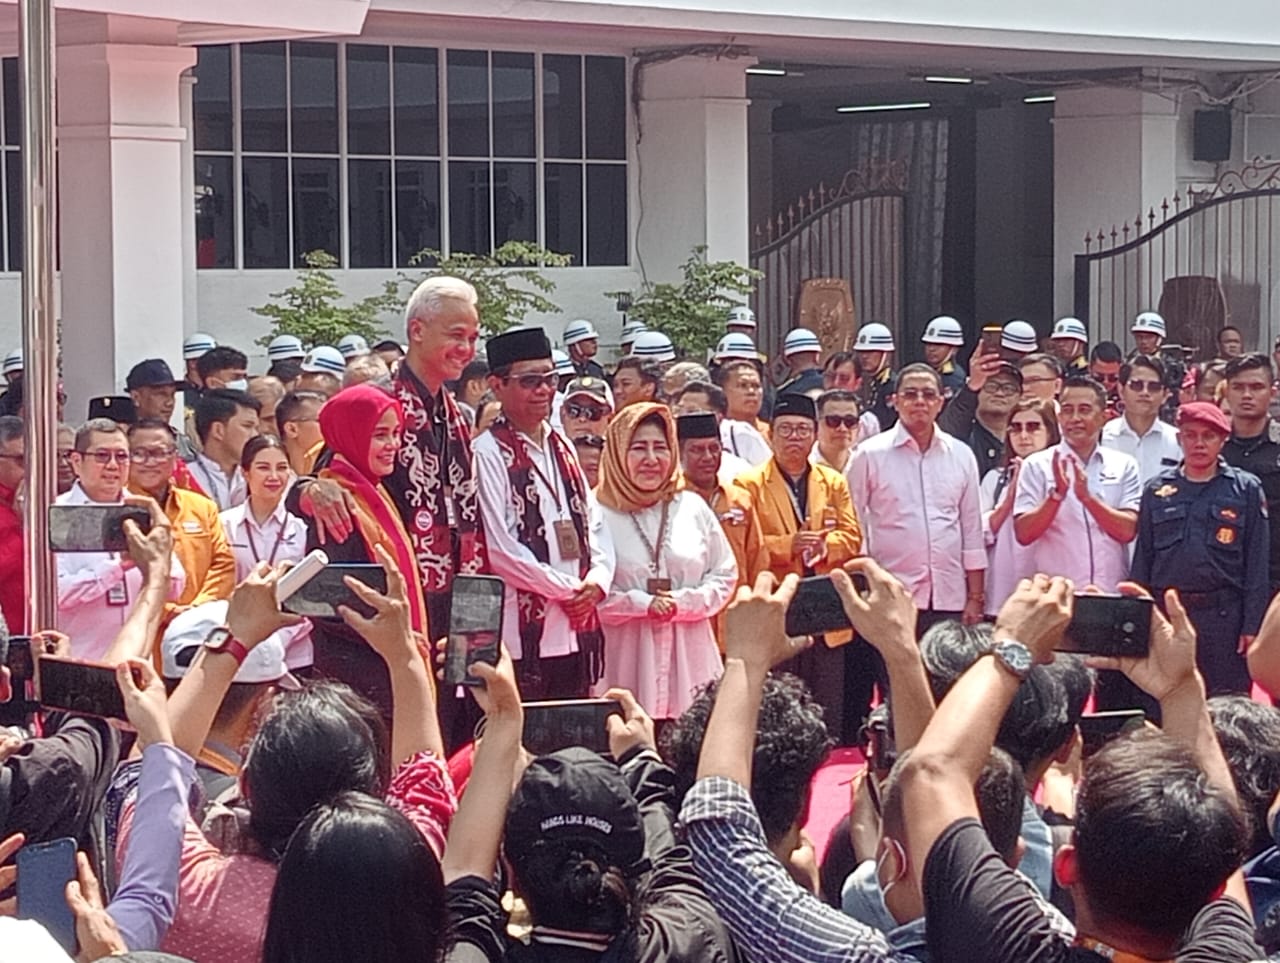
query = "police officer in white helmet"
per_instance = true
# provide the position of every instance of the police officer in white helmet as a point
(1149, 332)
(1069, 344)
(943, 338)
(873, 350)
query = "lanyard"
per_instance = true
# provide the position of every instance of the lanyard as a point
(248, 534)
(654, 550)
(555, 494)
(793, 494)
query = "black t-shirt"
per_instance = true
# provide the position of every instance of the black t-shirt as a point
(981, 911)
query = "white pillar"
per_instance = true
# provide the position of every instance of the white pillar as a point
(692, 163)
(1114, 157)
(122, 206)
(190, 289)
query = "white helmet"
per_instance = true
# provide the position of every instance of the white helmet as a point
(197, 346)
(653, 346)
(630, 330)
(1150, 323)
(285, 347)
(801, 341)
(576, 331)
(1070, 329)
(1020, 336)
(353, 346)
(874, 337)
(944, 329)
(563, 363)
(13, 362)
(742, 316)
(736, 346)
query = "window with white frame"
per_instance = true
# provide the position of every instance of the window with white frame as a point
(374, 152)
(11, 167)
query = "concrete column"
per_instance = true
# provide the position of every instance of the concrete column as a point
(123, 205)
(1115, 155)
(190, 290)
(692, 163)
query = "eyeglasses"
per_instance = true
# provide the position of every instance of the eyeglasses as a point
(1001, 389)
(840, 421)
(150, 456)
(586, 412)
(1140, 386)
(105, 456)
(919, 394)
(532, 382)
(793, 431)
(589, 441)
(64, 454)
(1018, 427)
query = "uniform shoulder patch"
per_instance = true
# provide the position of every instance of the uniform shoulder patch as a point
(1164, 491)
(1226, 535)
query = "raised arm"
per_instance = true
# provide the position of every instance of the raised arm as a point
(152, 554)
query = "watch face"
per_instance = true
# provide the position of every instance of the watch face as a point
(217, 638)
(1015, 655)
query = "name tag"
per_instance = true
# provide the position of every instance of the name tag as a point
(567, 541)
(658, 586)
(191, 527)
(118, 595)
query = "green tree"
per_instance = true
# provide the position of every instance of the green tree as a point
(692, 312)
(313, 310)
(508, 282)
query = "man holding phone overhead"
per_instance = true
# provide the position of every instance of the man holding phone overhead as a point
(96, 588)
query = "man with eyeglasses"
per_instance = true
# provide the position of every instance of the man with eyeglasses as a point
(298, 417)
(1139, 431)
(839, 425)
(587, 408)
(1041, 376)
(96, 590)
(698, 397)
(1104, 367)
(199, 541)
(742, 432)
(916, 488)
(978, 413)
(13, 464)
(1077, 503)
(545, 535)
(810, 527)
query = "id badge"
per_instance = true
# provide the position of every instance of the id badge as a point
(118, 594)
(450, 513)
(567, 541)
(658, 586)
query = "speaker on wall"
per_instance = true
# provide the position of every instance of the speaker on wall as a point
(1212, 135)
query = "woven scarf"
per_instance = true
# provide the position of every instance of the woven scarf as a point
(436, 455)
(533, 533)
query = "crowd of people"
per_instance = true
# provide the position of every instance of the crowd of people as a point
(293, 789)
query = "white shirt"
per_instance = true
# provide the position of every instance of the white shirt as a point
(1156, 451)
(745, 441)
(227, 492)
(920, 512)
(513, 562)
(731, 466)
(816, 457)
(1008, 562)
(664, 663)
(96, 592)
(1074, 544)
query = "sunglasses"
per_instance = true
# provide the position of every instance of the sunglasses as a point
(1028, 426)
(840, 421)
(589, 441)
(1140, 386)
(104, 456)
(532, 382)
(586, 412)
(151, 456)
(919, 394)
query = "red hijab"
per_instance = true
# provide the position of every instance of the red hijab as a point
(347, 422)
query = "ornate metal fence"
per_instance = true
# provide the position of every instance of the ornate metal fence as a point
(1203, 260)
(855, 231)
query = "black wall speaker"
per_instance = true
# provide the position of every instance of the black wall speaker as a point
(1213, 135)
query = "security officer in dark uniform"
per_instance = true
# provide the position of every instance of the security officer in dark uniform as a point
(1203, 530)
(1069, 343)
(942, 338)
(1254, 445)
(873, 351)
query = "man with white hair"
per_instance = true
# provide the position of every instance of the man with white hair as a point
(434, 482)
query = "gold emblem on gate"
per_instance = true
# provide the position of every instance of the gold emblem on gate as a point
(1226, 535)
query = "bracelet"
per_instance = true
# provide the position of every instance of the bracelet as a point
(979, 597)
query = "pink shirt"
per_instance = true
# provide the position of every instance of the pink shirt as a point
(223, 900)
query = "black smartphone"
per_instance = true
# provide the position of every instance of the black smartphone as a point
(552, 726)
(44, 870)
(475, 626)
(85, 688)
(816, 607)
(15, 655)
(93, 528)
(1115, 625)
(1099, 728)
(321, 596)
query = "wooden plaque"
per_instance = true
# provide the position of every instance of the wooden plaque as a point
(826, 308)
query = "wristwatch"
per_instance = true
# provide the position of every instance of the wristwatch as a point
(220, 639)
(1014, 656)
(1056, 495)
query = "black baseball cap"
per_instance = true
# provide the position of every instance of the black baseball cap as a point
(152, 373)
(575, 795)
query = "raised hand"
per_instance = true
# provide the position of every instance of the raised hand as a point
(389, 632)
(756, 624)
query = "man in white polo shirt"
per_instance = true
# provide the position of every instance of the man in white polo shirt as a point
(1077, 503)
(1139, 431)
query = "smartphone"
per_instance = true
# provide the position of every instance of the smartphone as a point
(991, 336)
(816, 607)
(1099, 728)
(44, 870)
(320, 596)
(1115, 625)
(15, 655)
(552, 726)
(300, 574)
(85, 688)
(475, 625)
(93, 528)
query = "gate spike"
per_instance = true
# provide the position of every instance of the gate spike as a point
(1137, 224)
(1151, 219)
(822, 192)
(1125, 232)
(800, 203)
(1164, 208)
(791, 214)
(811, 200)
(1088, 240)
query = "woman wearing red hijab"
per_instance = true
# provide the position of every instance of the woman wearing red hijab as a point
(362, 428)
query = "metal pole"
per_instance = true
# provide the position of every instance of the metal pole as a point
(39, 325)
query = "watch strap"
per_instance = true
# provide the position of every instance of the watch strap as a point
(236, 649)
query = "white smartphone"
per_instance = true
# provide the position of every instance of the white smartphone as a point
(301, 574)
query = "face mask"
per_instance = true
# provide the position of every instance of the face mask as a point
(241, 384)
